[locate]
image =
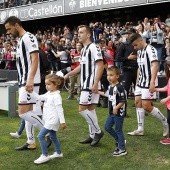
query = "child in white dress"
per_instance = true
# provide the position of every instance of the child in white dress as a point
(53, 116)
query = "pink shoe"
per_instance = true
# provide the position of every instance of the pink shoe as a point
(165, 141)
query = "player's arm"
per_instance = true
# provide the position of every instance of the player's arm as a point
(153, 76)
(98, 75)
(73, 72)
(33, 69)
(137, 78)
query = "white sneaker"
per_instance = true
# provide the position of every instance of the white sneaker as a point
(165, 130)
(42, 159)
(56, 155)
(136, 133)
(15, 135)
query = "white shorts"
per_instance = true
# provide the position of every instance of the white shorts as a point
(88, 98)
(25, 97)
(144, 93)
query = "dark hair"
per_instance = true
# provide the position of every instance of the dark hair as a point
(78, 42)
(134, 37)
(56, 80)
(13, 20)
(61, 48)
(115, 69)
(167, 67)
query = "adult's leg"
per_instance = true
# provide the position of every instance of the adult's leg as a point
(147, 105)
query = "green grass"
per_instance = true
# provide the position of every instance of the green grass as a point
(144, 153)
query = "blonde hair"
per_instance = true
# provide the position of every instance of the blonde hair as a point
(56, 80)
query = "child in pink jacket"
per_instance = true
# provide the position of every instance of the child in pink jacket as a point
(166, 101)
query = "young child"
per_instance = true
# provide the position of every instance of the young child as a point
(166, 101)
(117, 99)
(52, 115)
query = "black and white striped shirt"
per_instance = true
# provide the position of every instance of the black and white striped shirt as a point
(116, 95)
(144, 60)
(89, 55)
(26, 45)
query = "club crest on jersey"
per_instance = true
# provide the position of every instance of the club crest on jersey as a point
(34, 46)
(114, 92)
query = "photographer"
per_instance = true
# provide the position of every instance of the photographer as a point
(61, 53)
(55, 62)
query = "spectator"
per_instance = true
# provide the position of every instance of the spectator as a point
(156, 40)
(111, 51)
(75, 55)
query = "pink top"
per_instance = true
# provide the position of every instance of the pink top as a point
(167, 88)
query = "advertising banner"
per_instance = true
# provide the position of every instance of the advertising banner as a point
(66, 7)
(76, 6)
(34, 11)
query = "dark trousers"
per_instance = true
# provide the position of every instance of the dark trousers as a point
(168, 120)
(129, 77)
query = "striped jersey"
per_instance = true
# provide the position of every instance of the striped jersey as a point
(26, 45)
(144, 60)
(116, 95)
(89, 55)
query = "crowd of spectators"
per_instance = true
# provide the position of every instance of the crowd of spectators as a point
(58, 42)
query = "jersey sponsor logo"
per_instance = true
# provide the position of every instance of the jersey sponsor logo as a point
(23, 102)
(84, 102)
(34, 46)
(99, 54)
(150, 96)
(154, 56)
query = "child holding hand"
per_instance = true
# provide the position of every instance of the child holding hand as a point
(166, 101)
(117, 99)
(53, 116)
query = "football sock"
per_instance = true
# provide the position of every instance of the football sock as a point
(91, 120)
(140, 118)
(156, 112)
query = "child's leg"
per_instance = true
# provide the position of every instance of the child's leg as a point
(55, 140)
(119, 132)
(109, 126)
(41, 138)
(22, 126)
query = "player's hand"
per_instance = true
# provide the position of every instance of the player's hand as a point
(66, 77)
(30, 85)
(152, 87)
(63, 126)
(95, 88)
